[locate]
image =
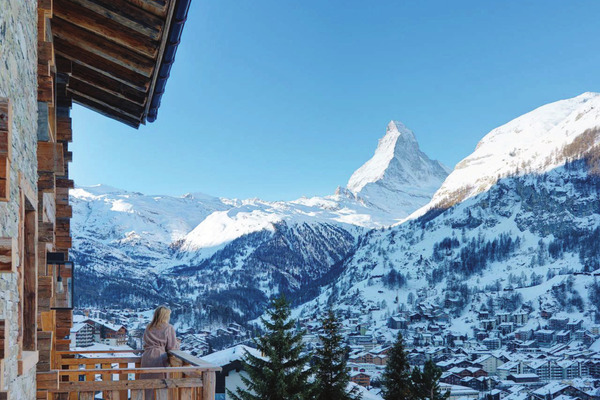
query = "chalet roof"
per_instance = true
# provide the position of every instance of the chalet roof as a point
(227, 356)
(114, 56)
(106, 324)
(77, 327)
(551, 388)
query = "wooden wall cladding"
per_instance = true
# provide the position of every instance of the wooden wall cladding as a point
(3, 352)
(8, 254)
(5, 148)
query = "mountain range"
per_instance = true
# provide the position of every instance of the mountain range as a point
(519, 217)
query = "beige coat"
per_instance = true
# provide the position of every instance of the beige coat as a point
(157, 341)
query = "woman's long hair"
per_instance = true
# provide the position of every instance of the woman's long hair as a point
(161, 316)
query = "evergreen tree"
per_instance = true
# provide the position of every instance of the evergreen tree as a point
(426, 384)
(396, 378)
(282, 373)
(332, 375)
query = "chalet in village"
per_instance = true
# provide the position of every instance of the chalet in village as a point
(113, 57)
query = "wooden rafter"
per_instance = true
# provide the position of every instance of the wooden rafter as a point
(109, 99)
(105, 27)
(156, 7)
(108, 54)
(101, 65)
(85, 40)
(111, 112)
(126, 14)
(108, 84)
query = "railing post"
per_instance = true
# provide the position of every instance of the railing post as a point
(208, 385)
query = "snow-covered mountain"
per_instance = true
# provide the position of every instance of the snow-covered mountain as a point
(147, 249)
(512, 226)
(399, 178)
(516, 224)
(533, 143)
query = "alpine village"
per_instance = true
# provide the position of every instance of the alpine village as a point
(414, 281)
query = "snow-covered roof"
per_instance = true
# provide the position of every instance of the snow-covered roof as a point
(77, 327)
(551, 388)
(103, 347)
(106, 324)
(230, 355)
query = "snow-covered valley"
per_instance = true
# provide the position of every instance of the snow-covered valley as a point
(513, 226)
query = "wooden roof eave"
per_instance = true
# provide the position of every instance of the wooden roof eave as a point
(113, 52)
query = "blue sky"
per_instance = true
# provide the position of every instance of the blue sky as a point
(279, 99)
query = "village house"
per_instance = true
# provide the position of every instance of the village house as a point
(360, 378)
(545, 337)
(82, 335)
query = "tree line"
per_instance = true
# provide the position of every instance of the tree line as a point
(285, 371)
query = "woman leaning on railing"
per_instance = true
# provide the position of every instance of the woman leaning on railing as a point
(159, 338)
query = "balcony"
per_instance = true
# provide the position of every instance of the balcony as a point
(116, 375)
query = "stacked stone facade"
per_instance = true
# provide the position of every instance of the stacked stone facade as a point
(18, 82)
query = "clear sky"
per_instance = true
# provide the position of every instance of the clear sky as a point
(278, 99)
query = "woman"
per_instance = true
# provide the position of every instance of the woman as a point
(159, 338)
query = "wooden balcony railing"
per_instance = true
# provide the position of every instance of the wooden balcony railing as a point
(116, 375)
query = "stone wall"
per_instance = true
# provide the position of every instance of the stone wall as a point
(18, 82)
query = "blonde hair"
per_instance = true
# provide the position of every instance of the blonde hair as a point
(161, 316)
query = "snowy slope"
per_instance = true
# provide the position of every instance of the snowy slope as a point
(531, 143)
(514, 225)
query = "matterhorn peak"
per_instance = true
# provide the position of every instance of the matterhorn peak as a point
(398, 131)
(399, 177)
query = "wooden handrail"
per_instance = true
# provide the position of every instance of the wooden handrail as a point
(188, 377)
(189, 359)
(99, 360)
(75, 352)
(113, 371)
(101, 386)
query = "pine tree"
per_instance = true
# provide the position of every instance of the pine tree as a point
(282, 373)
(332, 375)
(396, 378)
(426, 384)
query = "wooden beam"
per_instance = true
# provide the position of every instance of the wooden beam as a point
(63, 211)
(46, 53)
(156, 7)
(101, 65)
(30, 276)
(46, 89)
(63, 66)
(47, 380)
(4, 178)
(105, 27)
(46, 232)
(65, 183)
(3, 339)
(103, 97)
(50, 158)
(108, 84)
(209, 385)
(45, 6)
(126, 14)
(64, 132)
(46, 181)
(147, 370)
(6, 128)
(8, 254)
(107, 111)
(83, 39)
(97, 386)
